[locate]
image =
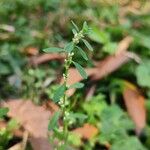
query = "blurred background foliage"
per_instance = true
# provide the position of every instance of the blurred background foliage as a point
(28, 27)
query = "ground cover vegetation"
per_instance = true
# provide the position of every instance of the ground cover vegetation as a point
(74, 75)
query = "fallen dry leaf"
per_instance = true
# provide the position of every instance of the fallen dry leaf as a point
(124, 44)
(33, 51)
(134, 102)
(87, 131)
(74, 75)
(110, 64)
(2, 124)
(51, 106)
(36, 60)
(34, 119)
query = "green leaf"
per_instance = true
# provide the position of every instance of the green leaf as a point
(143, 74)
(59, 93)
(99, 36)
(87, 44)
(12, 125)
(114, 124)
(69, 47)
(3, 112)
(4, 69)
(85, 27)
(53, 123)
(77, 85)
(80, 70)
(77, 115)
(141, 39)
(83, 54)
(75, 26)
(53, 50)
(75, 139)
(74, 31)
(110, 48)
(131, 143)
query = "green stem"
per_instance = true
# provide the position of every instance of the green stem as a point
(68, 62)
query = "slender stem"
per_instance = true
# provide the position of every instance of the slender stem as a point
(68, 62)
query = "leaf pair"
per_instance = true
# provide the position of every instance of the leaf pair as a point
(85, 27)
(61, 90)
(68, 48)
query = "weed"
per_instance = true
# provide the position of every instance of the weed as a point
(60, 95)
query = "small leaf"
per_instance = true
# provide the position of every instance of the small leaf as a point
(53, 123)
(77, 85)
(80, 70)
(85, 27)
(69, 47)
(87, 44)
(74, 31)
(53, 50)
(3, 112)
(75, 26)
(83, 54)
(59, 93)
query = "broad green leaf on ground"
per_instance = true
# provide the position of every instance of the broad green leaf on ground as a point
(135, 104)
(94, 107)
(143, 74)
(110, 48)
(53, 123)
(4, 69)
(87, 44)
(80, 70)
(83, 54)
(3, 112)
(99, 36)
(114, 124)
(59, 93)
(77, 85)
(141, 39)
(130, 143)
(69, 47)
(53, 50)
(75, 139)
